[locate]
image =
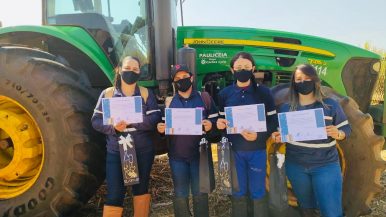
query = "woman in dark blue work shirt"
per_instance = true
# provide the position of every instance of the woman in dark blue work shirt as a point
(313, 166)
(249, 147)
(184, 153)
(126, 85)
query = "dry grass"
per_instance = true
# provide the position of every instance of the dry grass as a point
(161, 187)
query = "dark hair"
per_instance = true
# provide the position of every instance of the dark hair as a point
(243, 55)
(310, 71)
(248, 56)
(118, 69)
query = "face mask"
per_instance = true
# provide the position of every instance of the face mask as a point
(243, 75)
(305, 87)
(129, 77)
(184, 84)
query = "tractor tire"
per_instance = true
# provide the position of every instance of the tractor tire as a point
(360, 154)
(73, 156)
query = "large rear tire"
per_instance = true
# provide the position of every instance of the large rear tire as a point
(360, 154)
(71, 165)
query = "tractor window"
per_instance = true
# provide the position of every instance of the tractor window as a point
(119, 26)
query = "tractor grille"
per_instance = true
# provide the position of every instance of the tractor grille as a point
(282, 77)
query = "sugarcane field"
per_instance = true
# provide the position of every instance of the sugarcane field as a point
(161, 108)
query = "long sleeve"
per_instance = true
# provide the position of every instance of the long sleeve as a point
(214, 135)
(97, 119)
(340, 120)
(270, 114)
(221, 105)
(152, 116)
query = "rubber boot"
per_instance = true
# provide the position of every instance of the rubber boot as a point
(181, 207)
(112, 211)
(309, 213)
(200, 206)
(249, 207)
(239, 206)
(260, 207)
(142, 205)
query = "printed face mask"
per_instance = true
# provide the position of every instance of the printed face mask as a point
(183, 84)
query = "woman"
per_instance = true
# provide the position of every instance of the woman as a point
(184, 156)
(313, 166)
(125, 85)
(249, 147)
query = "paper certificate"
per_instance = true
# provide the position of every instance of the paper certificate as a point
(116, 109)
(302, 125)
(183, 121)
(246, 117)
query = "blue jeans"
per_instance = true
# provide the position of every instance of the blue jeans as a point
(251, 169)
(115, 188)
(317, 187)
(185, 176)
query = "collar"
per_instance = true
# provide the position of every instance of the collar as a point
(248, 89)
(118, 92)
(193, 94)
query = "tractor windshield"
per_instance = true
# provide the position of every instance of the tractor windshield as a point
(119, 26)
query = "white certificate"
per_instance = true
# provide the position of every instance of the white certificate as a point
(128, 109)
(246, 117)
(302, 125)
(183, 121)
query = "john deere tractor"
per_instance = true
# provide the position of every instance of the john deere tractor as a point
(52, 162)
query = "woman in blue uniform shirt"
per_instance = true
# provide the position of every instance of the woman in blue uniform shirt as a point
(249, 147)
(126, 85)
(184, 155)
(313, 166)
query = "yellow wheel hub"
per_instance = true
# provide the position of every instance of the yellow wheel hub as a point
(21, 149)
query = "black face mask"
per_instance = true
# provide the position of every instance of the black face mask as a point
(183, 85)
(305, 87)
(129, 77)
(243, 75)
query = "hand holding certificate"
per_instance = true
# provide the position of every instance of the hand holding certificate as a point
(128, 109)
(302, 125)
(183, 121)
(246, 117)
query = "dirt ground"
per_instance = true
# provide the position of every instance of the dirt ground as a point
(161, 188)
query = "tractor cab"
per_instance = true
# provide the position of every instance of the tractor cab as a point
(142, 28)
(119, 27)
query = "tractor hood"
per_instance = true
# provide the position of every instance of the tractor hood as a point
(78, 37)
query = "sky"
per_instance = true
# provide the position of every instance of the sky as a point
(350, 21)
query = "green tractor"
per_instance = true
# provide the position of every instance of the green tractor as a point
(52, 162)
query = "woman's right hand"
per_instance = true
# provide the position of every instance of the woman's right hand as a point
(221, 123)
(276, 136)
(120, 126)
(161, 127)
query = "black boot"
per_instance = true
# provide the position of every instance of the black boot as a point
(181, 207)
(200, 206)
(249, 207)
(309, 213)
(239, 207)
(260, 207)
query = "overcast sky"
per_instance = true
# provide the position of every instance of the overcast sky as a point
(350, 21)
